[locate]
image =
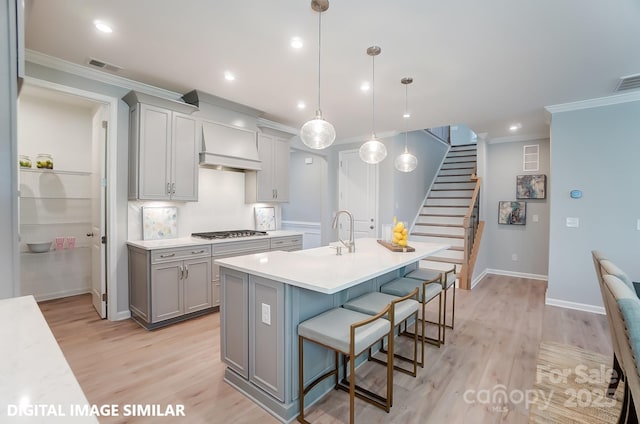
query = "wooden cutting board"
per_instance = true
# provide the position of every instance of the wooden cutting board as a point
(396, 248)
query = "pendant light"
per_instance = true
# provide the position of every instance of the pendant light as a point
(318, 133)
(406, 162)
(373, 151)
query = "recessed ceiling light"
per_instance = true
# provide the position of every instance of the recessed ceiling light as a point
(296, 42)
(102, 27)
(365, 86)
(515, 127)
(301, 105)
(406, 115)
(229, 76)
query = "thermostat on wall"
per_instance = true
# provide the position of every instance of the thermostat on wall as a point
(575, 194)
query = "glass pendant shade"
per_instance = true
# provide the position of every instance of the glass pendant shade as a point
(373, 151)
(317, 133)
(406, 162)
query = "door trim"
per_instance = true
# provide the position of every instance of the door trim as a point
(376, 188)
(111, 193)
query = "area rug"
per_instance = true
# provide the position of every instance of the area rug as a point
(570, 387)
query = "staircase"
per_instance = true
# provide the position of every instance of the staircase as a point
(448, 215)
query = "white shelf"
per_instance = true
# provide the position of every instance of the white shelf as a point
(55, 171)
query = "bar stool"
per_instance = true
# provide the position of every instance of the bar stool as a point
(348, 333)
(448, 281)
(428, 290)
(404, 308)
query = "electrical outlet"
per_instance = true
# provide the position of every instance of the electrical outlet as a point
(514, 257)
(266, 314)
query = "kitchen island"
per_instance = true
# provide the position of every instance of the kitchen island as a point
(264, 298)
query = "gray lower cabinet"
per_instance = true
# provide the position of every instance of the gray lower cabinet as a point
(234, 321)
(252, 330)
(266, 335)
(228, 249)
(287, 243)
(168, 284)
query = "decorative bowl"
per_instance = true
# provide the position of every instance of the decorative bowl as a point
(39, 247)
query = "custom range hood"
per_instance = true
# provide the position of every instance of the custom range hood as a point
(226, 146)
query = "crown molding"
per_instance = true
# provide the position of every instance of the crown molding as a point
(96, 75)
(592, 103)
(266, 123)
(518, 138)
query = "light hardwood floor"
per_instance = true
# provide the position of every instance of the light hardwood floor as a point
(499, 326)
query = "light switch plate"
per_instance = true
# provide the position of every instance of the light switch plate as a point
(573, 222)
(535, 218)
(266, 314)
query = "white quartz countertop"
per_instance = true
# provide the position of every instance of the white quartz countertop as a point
(321, 270)
(33, 371)
(196, 241)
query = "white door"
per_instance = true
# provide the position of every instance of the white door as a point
(98, 218)
(358, 193)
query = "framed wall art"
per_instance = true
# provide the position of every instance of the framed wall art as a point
(512, 212)
(531, 186)
(265, 218)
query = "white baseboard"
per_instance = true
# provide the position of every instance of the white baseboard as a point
(577, 306)
(517, 274)
(476, 280)
(484, 273)
(120, 316)
(61, 294)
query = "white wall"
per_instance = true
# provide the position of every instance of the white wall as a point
(220, 206)
(501, 165)
(596, 150)
(57, 127)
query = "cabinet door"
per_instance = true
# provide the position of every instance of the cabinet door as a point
(184, 154)
(281, 169)
(166, 291)
(265, 190)
(155, 153)
(234, 321)
(266, 335)
(197, 284)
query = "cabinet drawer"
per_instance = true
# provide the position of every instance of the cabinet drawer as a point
(284, 243)
(164, 255)
(240, 247)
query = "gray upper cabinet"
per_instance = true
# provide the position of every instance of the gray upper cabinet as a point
(163, 149)
(271, 184)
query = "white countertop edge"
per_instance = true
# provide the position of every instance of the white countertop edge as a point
(34, 367)
(332, 290)
(196, 241)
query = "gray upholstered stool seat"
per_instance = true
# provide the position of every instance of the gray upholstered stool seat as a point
(427, 291)
(348, 333)
(402, 286)
(403, 309)
(331, 329)
(372, 303)
(448, 279)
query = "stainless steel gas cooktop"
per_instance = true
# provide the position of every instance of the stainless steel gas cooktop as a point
(214, 235)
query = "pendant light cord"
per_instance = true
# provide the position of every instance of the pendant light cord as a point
(319, 49)
(373, 97)
(406, 111)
